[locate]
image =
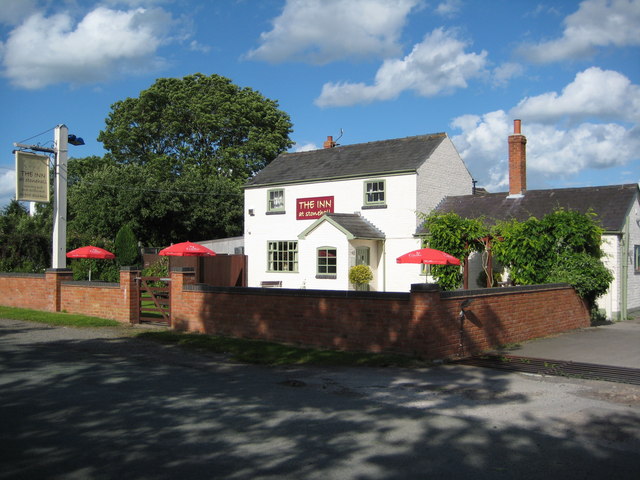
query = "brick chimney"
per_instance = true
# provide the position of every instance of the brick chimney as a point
(329, 143)
(517, 162)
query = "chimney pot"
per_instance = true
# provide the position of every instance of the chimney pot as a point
(516, 127)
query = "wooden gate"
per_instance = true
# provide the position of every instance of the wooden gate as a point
(155, 300)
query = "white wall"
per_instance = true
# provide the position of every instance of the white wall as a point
(633, 278)
(442, 175)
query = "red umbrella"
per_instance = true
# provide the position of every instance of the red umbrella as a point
(90, 252)
(429, 256)
(187, 249)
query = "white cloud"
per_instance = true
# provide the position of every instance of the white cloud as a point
(552, 151)
(305, 147)
(505, 72)
(579, 129)
(322, 31)
(436, 66)
(48, 50)
(449, 8)
(593, 93)
(597, 23)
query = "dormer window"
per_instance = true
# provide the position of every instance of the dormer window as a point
(275, 201)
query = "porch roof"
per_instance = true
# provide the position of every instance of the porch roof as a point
(353, 225)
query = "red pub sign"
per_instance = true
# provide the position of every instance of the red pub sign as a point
(314, 207)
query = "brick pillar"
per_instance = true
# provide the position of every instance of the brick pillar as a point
(130, 290)
(53, 278)
(517, 161)
(180, 276)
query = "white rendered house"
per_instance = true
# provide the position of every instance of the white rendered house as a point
(310, 216)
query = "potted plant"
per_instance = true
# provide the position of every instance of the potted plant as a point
(360, 276)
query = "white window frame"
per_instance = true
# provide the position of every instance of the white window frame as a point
(282, 256)
(275, 200)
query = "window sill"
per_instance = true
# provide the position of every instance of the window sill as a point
(275, 213)
(373, 207)
(326, 277)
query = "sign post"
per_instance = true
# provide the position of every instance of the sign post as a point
(59, 258)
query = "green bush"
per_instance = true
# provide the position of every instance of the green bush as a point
(360, 274)
(126, 246)
(585, 273)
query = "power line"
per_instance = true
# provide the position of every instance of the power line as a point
(46, 131)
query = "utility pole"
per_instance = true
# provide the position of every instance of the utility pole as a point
(61, 139)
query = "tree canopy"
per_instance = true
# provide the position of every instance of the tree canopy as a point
(25, 241)
(177, 158)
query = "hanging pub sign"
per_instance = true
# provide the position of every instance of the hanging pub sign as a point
(32, 177)
(314, 207)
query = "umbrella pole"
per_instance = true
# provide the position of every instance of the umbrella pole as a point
(89, 273)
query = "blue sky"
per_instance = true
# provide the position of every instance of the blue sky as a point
(372, 69)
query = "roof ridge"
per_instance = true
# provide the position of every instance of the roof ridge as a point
(425, 135)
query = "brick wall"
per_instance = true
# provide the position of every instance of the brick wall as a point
(55, 292)
(424, 322)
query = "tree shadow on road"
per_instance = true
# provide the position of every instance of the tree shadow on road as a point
(124, 408)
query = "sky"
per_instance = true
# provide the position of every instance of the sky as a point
(358, 70)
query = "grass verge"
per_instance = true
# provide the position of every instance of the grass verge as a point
(57, 318)
(241, 350)
(270, 353)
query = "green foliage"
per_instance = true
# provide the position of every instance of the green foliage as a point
(198, 120)
(564, 246)
(25, 241)
(159, 268)
(584, 272)
(458, 237)
(178, 157)
(126, 246)
(57, 318)
(360, 274)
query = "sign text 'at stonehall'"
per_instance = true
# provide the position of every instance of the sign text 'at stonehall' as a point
(315, 207)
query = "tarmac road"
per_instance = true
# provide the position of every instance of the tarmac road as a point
(98, 404)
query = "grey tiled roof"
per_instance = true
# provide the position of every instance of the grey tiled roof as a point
(352, 224)
(610, 203)
(363, 159)
(356, 225)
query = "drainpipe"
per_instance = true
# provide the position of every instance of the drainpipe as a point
(384, 265)
(624, 271)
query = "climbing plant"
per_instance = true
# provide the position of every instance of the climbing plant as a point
(562, 246)
(458, 237)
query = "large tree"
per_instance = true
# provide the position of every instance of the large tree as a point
(198, 121)
(177, 158)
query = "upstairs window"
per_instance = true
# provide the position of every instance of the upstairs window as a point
(374, 193)
(275, 201)
(636, 258)
(327, 262)
(283, 256)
